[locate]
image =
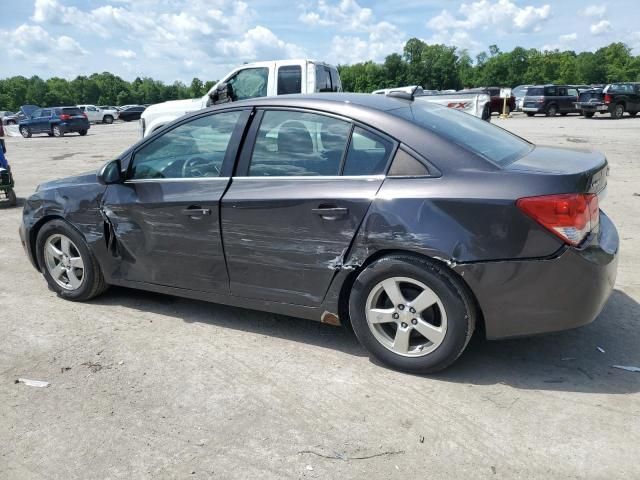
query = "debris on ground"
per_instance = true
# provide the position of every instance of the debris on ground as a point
(120, 362)
(338, 456)
(310, 468)
(64, 369)
(627, 368)
(94, 367)
(421, 438)
(33, 383)
(600, 349)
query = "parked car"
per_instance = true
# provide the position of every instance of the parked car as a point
(615, 99)
(519, 92)
(55, 122)
(251, 80)
(550, 100)
(21, 114)
(473, 103)
(414, 222)
(497, 103)
(98, 114)
(131, 113)
(109, 107)
(3, 114)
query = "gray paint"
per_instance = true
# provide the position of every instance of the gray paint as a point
(263, 247)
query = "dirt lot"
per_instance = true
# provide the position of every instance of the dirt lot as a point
(150, 386)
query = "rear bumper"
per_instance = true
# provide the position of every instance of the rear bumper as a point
(533, 109)
(592, 107)
(74, 127)
(528, 297)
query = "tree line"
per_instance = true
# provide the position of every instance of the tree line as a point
(437, 67)
(97, 89)
(442, 67)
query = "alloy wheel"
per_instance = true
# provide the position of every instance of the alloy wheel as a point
(64, 262)
(406, 316)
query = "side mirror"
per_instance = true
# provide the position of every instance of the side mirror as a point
(222, 94)
(111, 173)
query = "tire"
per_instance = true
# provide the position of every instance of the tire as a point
(108, 119)
(11, 196)
(50, 134)
(618, 111)
(486, 113)
(564, 114)
(57, 131)
(82, 133)
(25, 132)
(91, 282)
(530, 114)
(451, 319)
(589, 114)
(552, 110)
(633, 114)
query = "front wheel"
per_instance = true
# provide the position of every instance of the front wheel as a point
(66, 262)
(108, 119)
(25, 132)
(530, 114)
(411, 313)
(589, 114)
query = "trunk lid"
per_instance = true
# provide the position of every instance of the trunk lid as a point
(568, 170)
(594, 95)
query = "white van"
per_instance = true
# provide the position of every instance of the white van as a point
(260, 79)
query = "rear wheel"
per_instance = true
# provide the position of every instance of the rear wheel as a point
(11, 196)
(552, 110)
(50, 134)
(108, 119)
(564, 114)
(530, 114)
(57, 131)
(411, 314)
(25, 132)
(66, 262)
(589, 114)
(82, 133)
(618, 111)
(633, 114)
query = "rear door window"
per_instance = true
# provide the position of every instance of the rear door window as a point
(573, 92)
(46, 113)
(368, 154)
(336, 83)
(289, 79)
(249, 83)
(323, 79)
(299, 144)
(551, 91)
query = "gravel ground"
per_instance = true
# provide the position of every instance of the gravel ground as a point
(151, 386)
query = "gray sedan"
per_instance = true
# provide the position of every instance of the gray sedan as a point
(414, 223)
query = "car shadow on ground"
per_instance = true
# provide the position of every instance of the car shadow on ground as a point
(564, 361)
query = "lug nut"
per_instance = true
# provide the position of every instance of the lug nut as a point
(401, 307)
(404, 325)
(414, 321)
(412, 310)
(395, 316)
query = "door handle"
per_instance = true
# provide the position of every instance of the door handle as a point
(330, 213)
(196, 211)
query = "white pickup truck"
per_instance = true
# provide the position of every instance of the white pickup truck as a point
(260, 79)
(474, 103)
(97, 114)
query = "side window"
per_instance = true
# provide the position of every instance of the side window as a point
(289, 79)
(46, 113)
(562, 91)
(194, 149)
(573, 92)
(368, 154)
(323, 79)
(83, 108)
(298, 144)
(405, 165)
(249, 83)
(335, 80)
(550, 91)
(37, 113)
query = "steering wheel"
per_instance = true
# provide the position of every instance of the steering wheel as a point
(198, 167)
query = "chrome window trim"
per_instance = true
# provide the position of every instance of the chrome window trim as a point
(315, 177)
(177, 179)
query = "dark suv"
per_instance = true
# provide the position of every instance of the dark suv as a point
(55, 122)
(550, 100)
(615, 98)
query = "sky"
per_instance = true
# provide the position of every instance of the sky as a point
(180, 39)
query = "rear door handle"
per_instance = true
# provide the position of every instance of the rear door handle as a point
(196, 211)
(330, 213)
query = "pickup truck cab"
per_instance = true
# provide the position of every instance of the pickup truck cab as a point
(615, 98)
(251, 80)
(97, 114)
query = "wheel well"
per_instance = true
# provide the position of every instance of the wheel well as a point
(343, 300)
(33, 236)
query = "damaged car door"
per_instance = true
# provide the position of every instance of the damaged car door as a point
(303, 185)
(164, 217)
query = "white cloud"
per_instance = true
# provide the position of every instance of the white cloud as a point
(260, 43)
(570, 37)
(361, 36)
(595, 11)
(128, 54)
(603, 26)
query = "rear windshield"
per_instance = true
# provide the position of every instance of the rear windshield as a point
(535, 91)
(69, 111)
(469, 132)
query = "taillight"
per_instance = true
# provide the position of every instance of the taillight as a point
(65, 117)
(607, 98)
(570, 216)
(84, 115)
